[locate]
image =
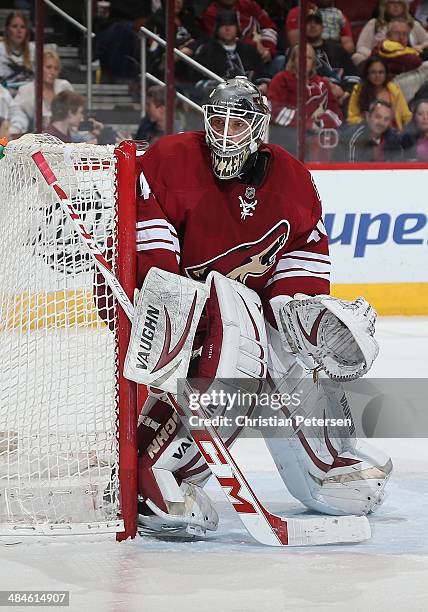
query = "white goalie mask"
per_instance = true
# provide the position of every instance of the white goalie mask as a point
(236, 119)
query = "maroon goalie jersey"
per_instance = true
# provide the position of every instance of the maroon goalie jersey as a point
(268, 236)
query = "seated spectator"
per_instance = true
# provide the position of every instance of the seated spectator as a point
(22, 107)
(372, 141)
(376, 85)
(395, 50)
(4, 128)
(152, 125)
(402, 60)
(188, 35)
(333, 62)
(16, 52)
(255, 25)
(415, 137)
(225, 54)
(375, 30)
(67, 114)
(117, 48)
(336, 25)
(322, 109)
(5, 101)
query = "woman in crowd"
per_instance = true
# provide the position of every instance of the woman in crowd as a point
(22, 107)
(375, 85)
(374, 32)
(16, 52)
(322, 110)
(415, 138)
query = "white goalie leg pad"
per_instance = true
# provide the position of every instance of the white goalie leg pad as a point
(359, 488)
(329, 473)
(325, 332)
(190, 510)
(166, 316)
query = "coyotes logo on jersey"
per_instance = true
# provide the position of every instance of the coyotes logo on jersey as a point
(247, 259)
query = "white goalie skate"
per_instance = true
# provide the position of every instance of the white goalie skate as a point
(192, 517)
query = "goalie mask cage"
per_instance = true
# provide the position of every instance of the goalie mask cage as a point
(68, 459)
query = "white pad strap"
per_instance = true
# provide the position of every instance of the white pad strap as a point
(337, 335)
(166, 316)
(233, 362)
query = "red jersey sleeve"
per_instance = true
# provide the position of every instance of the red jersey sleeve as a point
(304, 267)
(282, 93)
(292, 21)
(346, 29)
(267, 27)
(157, 241)
(208, 19)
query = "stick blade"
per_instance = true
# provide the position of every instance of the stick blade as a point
(328, 530)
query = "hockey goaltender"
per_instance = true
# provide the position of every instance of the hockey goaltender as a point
(233, 255)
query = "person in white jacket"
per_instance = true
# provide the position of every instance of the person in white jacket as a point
(5, 102)
(17, 53)
(22, 109)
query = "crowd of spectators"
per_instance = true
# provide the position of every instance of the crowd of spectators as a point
(366, 83)
(63, 111)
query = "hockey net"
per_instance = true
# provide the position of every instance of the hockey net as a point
(60, 344)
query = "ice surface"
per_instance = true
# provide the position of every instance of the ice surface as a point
(230, 572)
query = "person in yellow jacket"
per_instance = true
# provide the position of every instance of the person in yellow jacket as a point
(376, 86)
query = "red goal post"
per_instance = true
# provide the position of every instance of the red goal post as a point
(68, 418)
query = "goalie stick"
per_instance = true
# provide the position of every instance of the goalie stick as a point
(262, 525)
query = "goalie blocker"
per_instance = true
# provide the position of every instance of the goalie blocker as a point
(328, 474)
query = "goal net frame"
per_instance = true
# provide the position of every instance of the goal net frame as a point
(35, 499)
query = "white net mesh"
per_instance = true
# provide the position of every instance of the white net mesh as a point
(58, 444)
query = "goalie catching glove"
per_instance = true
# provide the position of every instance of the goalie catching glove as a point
(325, 332)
